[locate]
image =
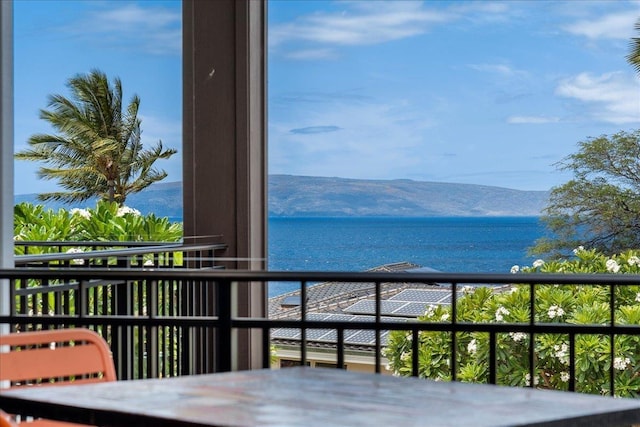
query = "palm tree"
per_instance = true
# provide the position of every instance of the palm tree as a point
(97, 150)
(634, 50)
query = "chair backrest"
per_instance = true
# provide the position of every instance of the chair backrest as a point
(55, 357)
(5, 420)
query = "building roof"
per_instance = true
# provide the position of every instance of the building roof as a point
(345, 301)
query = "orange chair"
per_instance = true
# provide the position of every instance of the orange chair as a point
(55, 358)
(6, 420)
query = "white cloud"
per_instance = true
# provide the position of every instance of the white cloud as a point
(501, 69)
(532, 120)
(610, 97)
(374, 22)
(155, 30)
(375, 140)
(167, 130)
(361, 23)
(612, 26)
(312, 54)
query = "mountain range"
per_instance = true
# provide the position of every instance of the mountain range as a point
(309, 196)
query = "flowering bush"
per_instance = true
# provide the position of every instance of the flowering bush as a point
(107, 222)
(572, 304)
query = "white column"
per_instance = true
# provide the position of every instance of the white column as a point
(6, 150)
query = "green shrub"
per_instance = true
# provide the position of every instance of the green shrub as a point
(105, 223)
(570, 304)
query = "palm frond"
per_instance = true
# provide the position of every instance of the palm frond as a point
(95, 142)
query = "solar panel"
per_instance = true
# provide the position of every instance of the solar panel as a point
(340, 317)
(317, 316)
(411, 309)
(349, 334)
(330, 336)
(317, 334)
(369, 307)
(291, 300)
(365, 306)
(364, 337)
(432, 296)
(286, 333)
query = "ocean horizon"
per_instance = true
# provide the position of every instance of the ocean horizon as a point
(448, 244)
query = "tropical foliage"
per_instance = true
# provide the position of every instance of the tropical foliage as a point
(600, 206)
(569, 304)
(97, 148)
(634, 50)
(107, 222)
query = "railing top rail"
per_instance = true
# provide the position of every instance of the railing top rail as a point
(318, 276)
(54, 243)
(106, 253)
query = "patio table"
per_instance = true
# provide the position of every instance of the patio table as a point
(315, 397)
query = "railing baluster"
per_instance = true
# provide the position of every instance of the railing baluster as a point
(612, 322)
(224, 342)
(454, 321)
(340, 348)
(572, 362)
(492, 357)
(378, 349)
(415, 352)
(303, 323)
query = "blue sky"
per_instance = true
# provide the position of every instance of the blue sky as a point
(481, 92)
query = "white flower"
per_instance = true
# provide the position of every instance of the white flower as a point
(468, 289)
(123, 210)
(634, 260)
(515, 269)
(638, 297)
(430, 310)
(405, 356)
(76, 261)
(555, 311)
(148, 263)
(500, 313)
(444, 317)
(538, 263)
(621, 364)
(562, 353)
(472, 347)
(612, 266)
(85, 213)
(517, 336)
(564, 376)
(577, 250)
(527, 379)
(387, 367)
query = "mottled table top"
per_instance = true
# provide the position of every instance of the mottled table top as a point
(317, 397)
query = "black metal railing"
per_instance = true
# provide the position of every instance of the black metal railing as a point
(110, 297)
(152, 330)
(118, 254)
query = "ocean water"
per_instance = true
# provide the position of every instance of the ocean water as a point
(465, 245)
